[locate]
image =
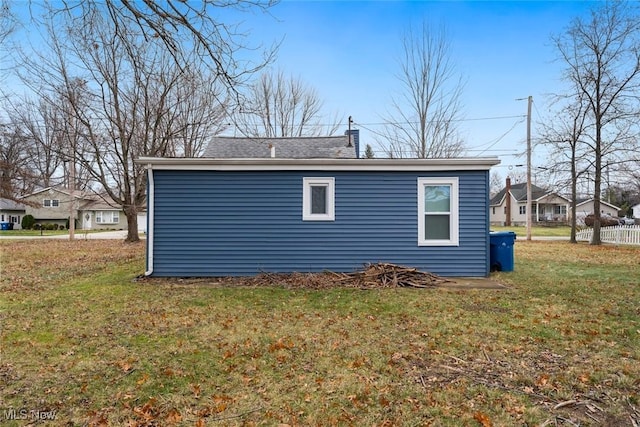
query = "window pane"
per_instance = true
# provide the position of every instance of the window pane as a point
(47, 202)
(436, 227)
(318, 199)
(55, 203)
(437, 198)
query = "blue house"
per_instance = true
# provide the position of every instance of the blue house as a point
(231, 217)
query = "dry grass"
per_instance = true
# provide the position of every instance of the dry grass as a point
(80, 337)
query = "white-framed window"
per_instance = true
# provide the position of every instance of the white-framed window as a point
(523, 210)
(107, 217)
(560, 209)
(438, 212)
(318, 199)
(51, 203)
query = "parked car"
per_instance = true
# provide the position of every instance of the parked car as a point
(627, 221)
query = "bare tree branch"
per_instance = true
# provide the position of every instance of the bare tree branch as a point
(423, 120)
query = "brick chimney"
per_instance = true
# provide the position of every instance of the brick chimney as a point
(508, 204)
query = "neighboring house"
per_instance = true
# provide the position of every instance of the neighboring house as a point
(229, 217)
(509, 206)
(52, 205)
(12, 212)
(326, 147)
(585, 207)
(55, 205)
(636, 211)
(101, 213)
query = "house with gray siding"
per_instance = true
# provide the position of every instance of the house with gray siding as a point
(231, 217)
(12, 212)
(93, 211)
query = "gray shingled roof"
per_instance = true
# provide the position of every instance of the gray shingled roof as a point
(519, 192)
(326, 147)
(11, 205)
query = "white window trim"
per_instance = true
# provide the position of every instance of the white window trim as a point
(307, 183)
(100, 217)
(454, 225)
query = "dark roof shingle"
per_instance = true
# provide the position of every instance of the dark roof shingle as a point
(327, 147)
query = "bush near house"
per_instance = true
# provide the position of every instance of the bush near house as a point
(28, 221)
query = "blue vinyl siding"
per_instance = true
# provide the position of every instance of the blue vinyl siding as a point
(211, 223)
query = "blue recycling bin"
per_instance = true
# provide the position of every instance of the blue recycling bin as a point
(4, 225)
(501, 250)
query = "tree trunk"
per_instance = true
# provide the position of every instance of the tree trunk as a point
(574, 199)
(595, 240)
(132, 225)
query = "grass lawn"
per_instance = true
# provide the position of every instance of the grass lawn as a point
(521, 232)
(83, 340)
(27, 233)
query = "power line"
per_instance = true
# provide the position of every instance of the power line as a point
(503, 135)
(475, 119)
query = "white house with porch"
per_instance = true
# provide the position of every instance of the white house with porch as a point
(509, 206)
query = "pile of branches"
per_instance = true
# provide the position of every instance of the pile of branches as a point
(380, 275)
(384, 275)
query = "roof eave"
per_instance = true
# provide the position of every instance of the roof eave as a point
(477, 163)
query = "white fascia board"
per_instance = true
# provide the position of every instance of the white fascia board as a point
(279, 164)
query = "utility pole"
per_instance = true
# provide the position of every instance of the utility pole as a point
(529, 213)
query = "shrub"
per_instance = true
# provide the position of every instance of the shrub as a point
(62, 227)
(48, 226)
(28, 222)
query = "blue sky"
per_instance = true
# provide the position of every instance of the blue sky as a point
(348, 51)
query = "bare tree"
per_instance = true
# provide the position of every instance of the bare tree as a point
(135, 80)
(281, 106)
(183, 29)
(16, 178)
(569, 159)
(602, 57)
(496, 183)
(423, 121)
(121, 98)
(200, 110)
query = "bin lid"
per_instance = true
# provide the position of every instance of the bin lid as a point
(502, 233)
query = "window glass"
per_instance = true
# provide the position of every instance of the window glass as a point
(437, 227)
(55, 203)
(319, 199)
(437, 198)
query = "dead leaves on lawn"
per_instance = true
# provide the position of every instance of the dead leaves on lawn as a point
(541, 377)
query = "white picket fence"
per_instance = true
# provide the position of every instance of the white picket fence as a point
(622, 234)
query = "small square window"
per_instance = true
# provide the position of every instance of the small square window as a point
(318, 199)
(46, 203)
(55, 203)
